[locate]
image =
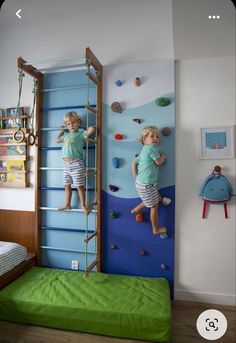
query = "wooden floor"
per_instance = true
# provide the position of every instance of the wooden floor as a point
(184, 330)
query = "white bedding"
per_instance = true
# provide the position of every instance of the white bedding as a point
(11, 254)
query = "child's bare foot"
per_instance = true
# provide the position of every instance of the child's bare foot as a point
(134, 211)
(64, 207)
(86, 209)
(159, 230)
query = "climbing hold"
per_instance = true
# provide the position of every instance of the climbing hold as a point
(166, 131)
(166, 201)
(139, 218)
(162, 101)
(136, 155)
(113, 214)
(116, 107)
(119, 83)
(137, 120)
(163, 266)
(113, 246)
(143, 252)
(113, 188)
(118, 136)
(116, 162)
(137, 81)
(163, 235)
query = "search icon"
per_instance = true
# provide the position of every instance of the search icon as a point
(212, 325)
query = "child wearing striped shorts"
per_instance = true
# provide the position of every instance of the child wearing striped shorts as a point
(145, 170)
(73, 138)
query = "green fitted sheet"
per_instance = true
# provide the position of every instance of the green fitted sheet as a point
(113, 305)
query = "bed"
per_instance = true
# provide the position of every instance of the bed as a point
(14, 261)
(112, 305)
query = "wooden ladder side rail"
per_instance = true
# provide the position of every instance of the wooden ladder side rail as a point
(99, 171)
(33, 72)
(90, 237)
(93, 59)
(90, 267)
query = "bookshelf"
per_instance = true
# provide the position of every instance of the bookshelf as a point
(13, 154)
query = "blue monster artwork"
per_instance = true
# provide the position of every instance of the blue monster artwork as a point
(216, 189)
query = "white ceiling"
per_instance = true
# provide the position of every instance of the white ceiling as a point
(123, 30)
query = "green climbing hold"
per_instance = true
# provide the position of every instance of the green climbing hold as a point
(113, 214)
(162, 101)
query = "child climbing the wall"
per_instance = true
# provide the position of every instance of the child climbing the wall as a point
(73, 139)
(145, 170)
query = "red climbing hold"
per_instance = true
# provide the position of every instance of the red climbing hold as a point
(118, 136)
(139, 217)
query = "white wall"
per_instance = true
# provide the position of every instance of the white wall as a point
(205, 248)
(121, 31)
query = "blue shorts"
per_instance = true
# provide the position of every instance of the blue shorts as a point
(74, 173)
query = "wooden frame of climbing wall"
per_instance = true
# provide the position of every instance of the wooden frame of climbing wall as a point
(95, 78)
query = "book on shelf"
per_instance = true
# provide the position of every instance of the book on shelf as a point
(15, 166)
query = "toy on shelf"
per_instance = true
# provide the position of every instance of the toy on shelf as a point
(216, 189)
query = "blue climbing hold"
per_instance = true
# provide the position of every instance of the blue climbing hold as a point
(119, 83)
(163, 235)
(115, 162)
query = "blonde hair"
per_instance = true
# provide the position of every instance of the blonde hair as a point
(72, 115)
(145, 132)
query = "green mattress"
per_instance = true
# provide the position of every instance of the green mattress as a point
(112, 305)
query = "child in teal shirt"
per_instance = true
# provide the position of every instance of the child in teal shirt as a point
(145, 170)
(72, 153)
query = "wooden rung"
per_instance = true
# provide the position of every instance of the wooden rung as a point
(90, 267)
(90, 108)
(90, 173)
(90, 237)
(92, 77)
(91, 140)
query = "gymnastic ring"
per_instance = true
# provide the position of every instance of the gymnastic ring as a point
(31, 139)
(22, 137)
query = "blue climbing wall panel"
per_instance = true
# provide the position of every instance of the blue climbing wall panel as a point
(129, 247)
(63, 232)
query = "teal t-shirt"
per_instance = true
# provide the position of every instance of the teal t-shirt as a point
(147, 168)
(73, 143)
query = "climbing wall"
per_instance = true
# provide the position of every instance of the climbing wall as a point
(144, 91)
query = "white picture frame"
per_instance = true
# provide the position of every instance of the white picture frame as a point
(217, 142)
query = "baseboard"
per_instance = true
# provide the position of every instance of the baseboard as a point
(210, 298)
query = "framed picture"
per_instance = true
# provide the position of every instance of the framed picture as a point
(217, 142)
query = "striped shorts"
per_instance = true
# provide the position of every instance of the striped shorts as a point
(74, 173)
(148, 193)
